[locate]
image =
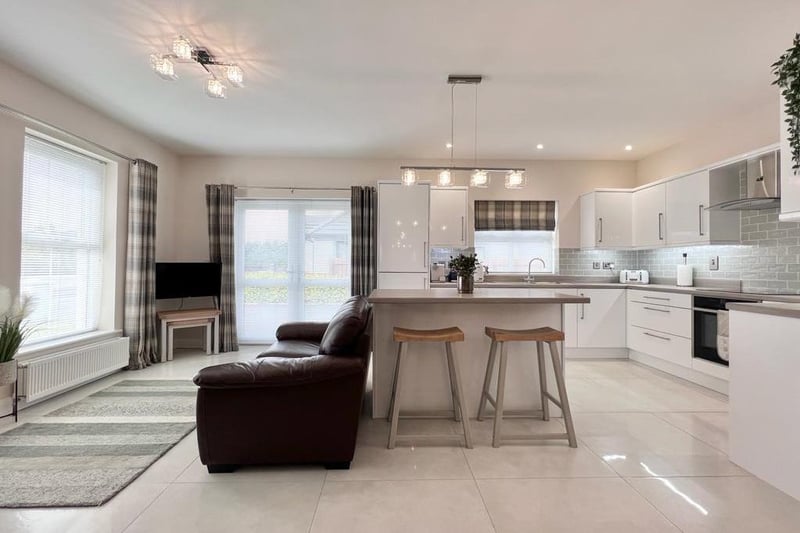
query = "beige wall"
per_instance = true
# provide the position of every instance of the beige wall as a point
(28, 95)
(751, 129)
(563, 181)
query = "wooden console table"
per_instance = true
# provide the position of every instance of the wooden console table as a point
(188, 318)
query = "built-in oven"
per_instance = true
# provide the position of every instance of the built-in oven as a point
(707, 321)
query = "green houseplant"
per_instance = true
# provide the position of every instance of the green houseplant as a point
(13, 330)
(465, 266)
(787, 77)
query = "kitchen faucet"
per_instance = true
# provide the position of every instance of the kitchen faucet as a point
(529, 279)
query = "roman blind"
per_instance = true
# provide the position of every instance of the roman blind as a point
(62, 239)
(520, 215)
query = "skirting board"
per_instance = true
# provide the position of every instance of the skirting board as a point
(688, 374)
(596, 353)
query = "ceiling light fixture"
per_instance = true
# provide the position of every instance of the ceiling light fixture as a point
(184, 51)
(628, 147)
(540, 147)
(480, 176)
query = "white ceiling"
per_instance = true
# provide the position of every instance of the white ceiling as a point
(367, 78)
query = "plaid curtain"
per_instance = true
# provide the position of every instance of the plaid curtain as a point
(363, 228)
(140, 270)
(515, 215)
(219, 202)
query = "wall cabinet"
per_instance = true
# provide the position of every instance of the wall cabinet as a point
(403, 240)
(606, 219)
(790, 182)
(449, 210)
(689, 221)
(649, 216)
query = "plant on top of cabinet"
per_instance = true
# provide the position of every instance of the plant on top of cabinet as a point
(787, 77)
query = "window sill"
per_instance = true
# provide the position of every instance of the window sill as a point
(39, 349)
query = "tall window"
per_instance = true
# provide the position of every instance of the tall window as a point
(62, 239)
(292, 263)
(510, 251)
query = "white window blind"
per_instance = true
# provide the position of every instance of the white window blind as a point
(292, 263)
(510, 251)
(62, 239)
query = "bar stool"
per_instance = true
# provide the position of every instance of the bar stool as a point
(448, 336)
(540, 336)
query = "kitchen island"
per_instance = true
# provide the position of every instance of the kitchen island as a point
(425, 378)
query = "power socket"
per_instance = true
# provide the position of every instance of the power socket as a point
(607, 265)
(596, 265)
(713, 264)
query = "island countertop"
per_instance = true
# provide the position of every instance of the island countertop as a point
(480, 296)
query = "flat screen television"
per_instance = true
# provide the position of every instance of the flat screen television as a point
(187, 280)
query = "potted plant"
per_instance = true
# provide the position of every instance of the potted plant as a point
(787, 76)
(13, 331)
(465, 266)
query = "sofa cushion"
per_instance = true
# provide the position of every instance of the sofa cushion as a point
(278, 372)
(291, 349)
(346, 326)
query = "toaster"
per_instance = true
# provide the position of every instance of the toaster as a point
(634, 276)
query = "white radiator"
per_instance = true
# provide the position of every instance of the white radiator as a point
(57, 372)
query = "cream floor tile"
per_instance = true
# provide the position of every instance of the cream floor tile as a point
(174, 462)
(113, 517)
(570, 505)
(660, 394)
(375, 431)
(601, 396)
(417, 462)
(231, 507)
(711, 428)
(401, 507)
(724, 505)
(198, 473)
(641, 444)
(622, 368)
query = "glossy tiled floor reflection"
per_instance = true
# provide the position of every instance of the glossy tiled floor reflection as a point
(651, 457)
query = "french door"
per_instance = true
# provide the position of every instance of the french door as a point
(292, 263)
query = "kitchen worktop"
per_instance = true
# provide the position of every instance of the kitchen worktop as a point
(790, 310)
(722, 291)
(482, 295)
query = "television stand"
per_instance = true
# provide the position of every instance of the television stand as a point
(189, 318)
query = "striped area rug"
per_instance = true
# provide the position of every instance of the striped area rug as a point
(83, 454)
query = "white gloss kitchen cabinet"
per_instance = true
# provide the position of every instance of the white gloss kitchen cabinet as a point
(649, 216)
(606, 219)
(688, 220)
(403, 235)
(790, 182)
(598, 324)
(449, 215)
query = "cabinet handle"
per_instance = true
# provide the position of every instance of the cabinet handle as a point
(660, 226)
(583, 309)
(425, 254)
(463, 229)
(656, 298)
(600, 221)
(657, 336)
(656, 309)
(700, 219)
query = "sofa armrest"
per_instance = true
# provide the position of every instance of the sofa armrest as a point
(278, 372)
(301, 331)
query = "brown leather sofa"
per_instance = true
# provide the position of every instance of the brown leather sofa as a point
(298, 402)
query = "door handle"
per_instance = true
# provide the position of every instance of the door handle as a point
(657, 336)
(660, 226)
(600, 221)
(656, 309)
(700, 219)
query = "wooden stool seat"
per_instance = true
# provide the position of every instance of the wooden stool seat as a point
(428, 335)
(534, 335)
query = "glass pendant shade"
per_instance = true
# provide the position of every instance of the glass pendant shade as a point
(182, 48)
(515, 179)
(409, 176)
(163, 67)
(445, 178)
(235, 75)
(215, 88)
(479, 178)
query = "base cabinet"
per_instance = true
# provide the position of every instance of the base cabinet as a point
(598, 324)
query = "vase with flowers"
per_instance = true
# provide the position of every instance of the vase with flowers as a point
(464, 266)
(13, 330)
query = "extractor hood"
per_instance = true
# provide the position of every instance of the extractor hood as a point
(759, 182)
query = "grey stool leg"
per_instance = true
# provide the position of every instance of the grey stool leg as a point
(501, 392)
(394, 382)
(562, 395)
(395, 414)
(459, 393)
(452, 380)
(487, 381)
(543, 381)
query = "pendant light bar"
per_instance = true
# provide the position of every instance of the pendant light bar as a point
(458, 168)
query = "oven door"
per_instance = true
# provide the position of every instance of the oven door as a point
(705, 335)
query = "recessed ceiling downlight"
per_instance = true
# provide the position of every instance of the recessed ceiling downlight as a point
(540, 146)
(628, 147)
